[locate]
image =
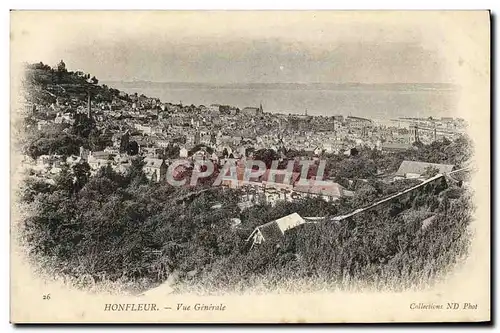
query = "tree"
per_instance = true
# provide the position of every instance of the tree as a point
(96, 141)
(133, 148)
(365, 195)
(65, 181)
(356, 167)
(83, 126)
(172, 151)
(124, 143)
(32, 187)
(81, 171)
(267, 156)
(135, 172)
(249, 151)
(52, 142)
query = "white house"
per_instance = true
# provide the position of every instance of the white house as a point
(155, 169)
(183, 152)
(415, 169)
(274, 231)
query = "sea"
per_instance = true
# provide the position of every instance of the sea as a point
(380, 102)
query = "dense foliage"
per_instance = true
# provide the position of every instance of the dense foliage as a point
(112, 227)
(46, 84)
(381, 248)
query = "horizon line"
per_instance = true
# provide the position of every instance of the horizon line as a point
(298, 83)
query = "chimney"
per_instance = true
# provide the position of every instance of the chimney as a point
(88, 106)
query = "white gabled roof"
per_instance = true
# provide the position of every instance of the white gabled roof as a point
(289, 222)
(153, 162)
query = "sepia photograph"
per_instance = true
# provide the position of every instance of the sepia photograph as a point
(250, 166)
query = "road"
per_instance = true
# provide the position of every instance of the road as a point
(375, 204)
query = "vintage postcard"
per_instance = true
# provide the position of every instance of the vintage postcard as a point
(250, 166)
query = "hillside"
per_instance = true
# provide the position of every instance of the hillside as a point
(45, 85)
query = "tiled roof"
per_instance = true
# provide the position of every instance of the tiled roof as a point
(332, 189)
(396, 145)
(274, 231)
(271, 231)
(417, 167)
(250, 109)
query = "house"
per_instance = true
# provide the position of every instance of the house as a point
(245, 205)
(279, 179)
(274, 231)
(339, 118)
(234, 173)
(250, 111)
(112, 150)
(99, 159)
(253, 111)
(235, 222)
(84, 153)
(309, 151)
(179, 171)
(358, 122)
(73, 159)
(183, 152)
(214, 157)
(47, 161)
(151, 152)
(214, 107)
(331, 147)
(206, 139)
(241, 151)
(62, 118)
(155, 169)
(44, 161)
(43, 124)
(318, 151)
(121, 159)
(328, 192)
(428, 222)
(144, 128)
(121, 168)
(200, 154)
(162, 143)
(395, 147)
(351, 152)
(415, 169)
(120, 139)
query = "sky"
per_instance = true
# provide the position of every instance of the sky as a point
(242, 47)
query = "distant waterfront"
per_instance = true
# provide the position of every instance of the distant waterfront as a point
(371, 101)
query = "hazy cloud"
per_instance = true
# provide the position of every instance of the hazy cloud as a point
(244, 47)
